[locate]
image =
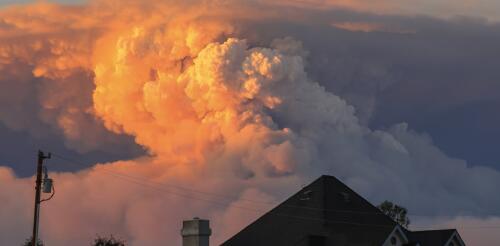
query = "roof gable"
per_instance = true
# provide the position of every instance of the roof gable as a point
(455, 240)
(399, 236)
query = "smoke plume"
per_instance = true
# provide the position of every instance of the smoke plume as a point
(232, 125)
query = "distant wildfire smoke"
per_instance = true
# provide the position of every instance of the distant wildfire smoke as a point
(218, 112)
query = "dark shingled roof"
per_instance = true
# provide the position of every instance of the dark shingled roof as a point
(326, 212)
(432, 237)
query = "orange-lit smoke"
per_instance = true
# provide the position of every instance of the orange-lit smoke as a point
(216, 114)
(169, 75)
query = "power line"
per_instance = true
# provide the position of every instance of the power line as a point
(153, 185)
(225, 204)
(260, 211)
(227, 197)
(161, 187)
(230, 198)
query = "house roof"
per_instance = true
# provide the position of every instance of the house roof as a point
(431, 237)
(325, 211)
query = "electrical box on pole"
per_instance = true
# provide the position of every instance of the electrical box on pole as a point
(47, 182)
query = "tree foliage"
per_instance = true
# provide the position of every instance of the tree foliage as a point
(108, 241)
(396, 212)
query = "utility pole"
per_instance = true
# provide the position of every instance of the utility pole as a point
(41, 157)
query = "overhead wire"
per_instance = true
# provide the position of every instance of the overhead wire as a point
(230, 198)
(227, 197)
(226, 204)
(161, 187)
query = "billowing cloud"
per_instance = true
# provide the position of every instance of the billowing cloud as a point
(232, 122)
(46, 63)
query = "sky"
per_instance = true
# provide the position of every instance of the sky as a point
(248, 101)
(11, 2)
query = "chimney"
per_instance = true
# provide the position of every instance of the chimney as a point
(196, 232)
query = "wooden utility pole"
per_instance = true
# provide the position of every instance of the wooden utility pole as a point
(41, 157)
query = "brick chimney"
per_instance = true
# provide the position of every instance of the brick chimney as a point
(196, 232)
